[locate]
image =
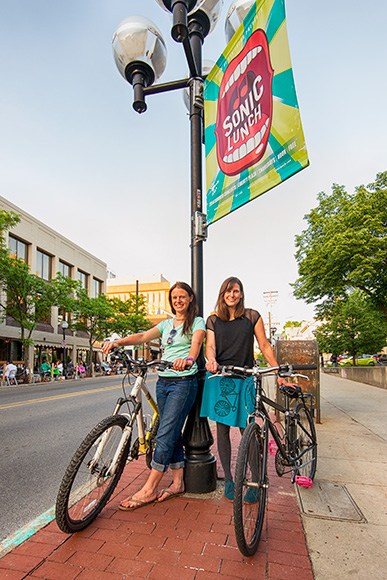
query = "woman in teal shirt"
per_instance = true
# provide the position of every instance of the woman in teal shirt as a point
(182, 337)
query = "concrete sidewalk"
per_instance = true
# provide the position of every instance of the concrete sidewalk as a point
(192, 537)
(345, 514)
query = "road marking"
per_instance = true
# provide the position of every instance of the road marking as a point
(26, 532)
(56, 397)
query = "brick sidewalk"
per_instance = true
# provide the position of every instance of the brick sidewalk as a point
(186, 538)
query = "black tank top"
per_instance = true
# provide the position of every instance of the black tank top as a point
(234, 339)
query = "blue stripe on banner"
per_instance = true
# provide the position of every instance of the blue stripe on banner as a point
(276, 18)
(242, 192)
(217, 185)
(284, 89)
(210, 138)
(211, 92)
(286, 166)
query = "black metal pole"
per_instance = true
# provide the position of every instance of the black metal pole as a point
(64, 353)
(200, 468)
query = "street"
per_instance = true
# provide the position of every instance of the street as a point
(42, 425)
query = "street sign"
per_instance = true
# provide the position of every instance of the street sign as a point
(253, 133)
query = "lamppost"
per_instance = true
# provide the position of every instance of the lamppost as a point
(140, 55)
(64, 325)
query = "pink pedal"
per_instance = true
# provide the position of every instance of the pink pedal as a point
(303, 481)
(273, 447)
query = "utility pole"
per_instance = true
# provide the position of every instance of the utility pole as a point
(270, 297)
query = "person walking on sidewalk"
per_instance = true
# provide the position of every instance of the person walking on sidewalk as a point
(182, 338)
(230, 341)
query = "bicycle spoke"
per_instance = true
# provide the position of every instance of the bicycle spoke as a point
(250, 490)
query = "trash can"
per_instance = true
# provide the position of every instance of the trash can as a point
(302, 352)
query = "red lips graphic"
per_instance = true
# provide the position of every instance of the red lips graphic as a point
(245, 107)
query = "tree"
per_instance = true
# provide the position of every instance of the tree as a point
(292, 324)
(93, 316)
(353, 326)
(345, 246)
(129, 316)
(26, 297)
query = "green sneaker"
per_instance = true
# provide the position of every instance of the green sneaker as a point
(251, 495)
(229, 490)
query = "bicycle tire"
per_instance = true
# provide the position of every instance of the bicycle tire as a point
(83, 494)
(152, 442)
(306, 437)
(249, 515)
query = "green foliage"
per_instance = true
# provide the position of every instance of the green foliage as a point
(345, 246)
(261, 360)
(92, 315)
(353, 326)
(28, 297)
(129, 317)
(292, 324)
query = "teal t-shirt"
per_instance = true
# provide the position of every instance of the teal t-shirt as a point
(180, 344)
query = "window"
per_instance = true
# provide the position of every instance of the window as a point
(82, 277)
(64, 269)
(97, 287)
(43, 265)
(18, 249)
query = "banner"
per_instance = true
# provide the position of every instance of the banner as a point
(253, 133)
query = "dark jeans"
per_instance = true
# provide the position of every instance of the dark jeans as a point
(174, 399)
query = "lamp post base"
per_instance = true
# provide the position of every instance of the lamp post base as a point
(200, 473)
(200, 465)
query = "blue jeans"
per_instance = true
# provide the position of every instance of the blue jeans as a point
(174, 399)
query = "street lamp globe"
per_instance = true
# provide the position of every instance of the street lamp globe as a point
(168, 4)
(64, 324)
(140, 54)
(235, 16)
(212, 9)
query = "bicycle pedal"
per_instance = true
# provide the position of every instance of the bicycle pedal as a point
(303, 481)
(273, 447)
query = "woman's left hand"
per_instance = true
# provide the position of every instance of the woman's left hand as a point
(180, 364)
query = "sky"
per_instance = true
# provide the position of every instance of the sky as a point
(74, 153)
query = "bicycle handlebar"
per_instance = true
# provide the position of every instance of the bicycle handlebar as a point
(121, 354)
(283, 370)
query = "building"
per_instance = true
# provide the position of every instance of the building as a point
(48, 252)
(155, 291)
(305, 330)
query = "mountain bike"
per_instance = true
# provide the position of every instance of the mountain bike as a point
(97, 465)
(294, 445)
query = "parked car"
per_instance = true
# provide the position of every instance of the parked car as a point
(364, 360)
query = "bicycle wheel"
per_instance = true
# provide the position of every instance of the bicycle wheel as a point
(250, 490)
(306, 442)
(152, 442)
(85, 489)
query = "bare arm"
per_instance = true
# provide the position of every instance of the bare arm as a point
(197, 340)
(133, 339)
(211, 365)
(265, 347)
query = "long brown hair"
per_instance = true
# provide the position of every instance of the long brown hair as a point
(193, 308)
(222, 308)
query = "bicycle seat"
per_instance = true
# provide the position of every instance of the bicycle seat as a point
(291, 390)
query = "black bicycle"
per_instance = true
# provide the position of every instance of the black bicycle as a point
(294, 445)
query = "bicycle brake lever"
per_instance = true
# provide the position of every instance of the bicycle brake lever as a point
(299, 375)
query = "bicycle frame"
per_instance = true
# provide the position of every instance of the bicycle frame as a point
(135, 398)
(290, 420)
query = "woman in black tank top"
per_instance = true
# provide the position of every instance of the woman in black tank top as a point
(230, 341)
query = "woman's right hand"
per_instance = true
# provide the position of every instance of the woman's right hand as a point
(107, 347)
(212, 366)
